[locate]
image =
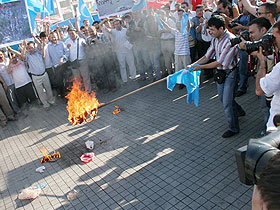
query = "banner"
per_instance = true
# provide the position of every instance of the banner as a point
(139, 5)
(108, 8)
(14, 23)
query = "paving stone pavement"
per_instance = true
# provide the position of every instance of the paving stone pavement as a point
(158, 153)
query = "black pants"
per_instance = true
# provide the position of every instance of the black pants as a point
(56, 76)
(104, 75)
(202, 48)
(25, 94)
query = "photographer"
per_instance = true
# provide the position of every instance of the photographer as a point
(228, 10)
(267, 192)
(241, 24)
(257, 29)
(226, 61)
(269, 84)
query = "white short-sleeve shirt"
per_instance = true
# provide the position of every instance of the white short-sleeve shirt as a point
(270, 84)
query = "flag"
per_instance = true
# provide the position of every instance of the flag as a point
(84, 13)
(184, 23)
(190, 80)
(32, 17)
(94, 7)
(48, 9)
(160, 24)
(35, 5)
(49, 6)
(139, 5)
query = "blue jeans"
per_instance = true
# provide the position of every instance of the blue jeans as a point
(243, 74)
(226, 93)
(264, 108)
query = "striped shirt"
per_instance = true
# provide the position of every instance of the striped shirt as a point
(222, 50)
(181, 42)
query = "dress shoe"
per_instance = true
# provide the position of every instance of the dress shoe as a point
(241, 114)
(239, 93)
(229, 133)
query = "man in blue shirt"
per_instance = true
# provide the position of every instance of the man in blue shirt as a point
(58, 54)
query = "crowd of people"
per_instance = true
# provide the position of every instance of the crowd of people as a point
(153, 43)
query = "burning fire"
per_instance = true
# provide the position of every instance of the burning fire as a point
(117, 110)
(81, 105)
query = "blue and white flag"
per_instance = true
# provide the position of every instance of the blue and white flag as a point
(48, 9)
(35, 5)
(84, 12)
(160, 24)
(184, 23)
(190, 80)
(139, 5)
(32, 17)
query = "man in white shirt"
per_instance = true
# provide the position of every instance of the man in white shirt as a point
(34, 59)
(123, 50)
(77, 49)
(269, 84)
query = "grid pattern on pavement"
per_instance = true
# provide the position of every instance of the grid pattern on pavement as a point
(158, 153)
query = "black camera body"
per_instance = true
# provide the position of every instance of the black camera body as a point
(266, 42)
(252, 159)
(217, 12)
(234, 23)
(244, 34)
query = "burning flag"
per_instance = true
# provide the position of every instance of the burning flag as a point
(81, 105)
(117, 110)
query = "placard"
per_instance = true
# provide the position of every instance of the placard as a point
(107, 8)
(14, 23)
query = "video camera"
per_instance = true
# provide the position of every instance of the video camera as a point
(252, 159)
(217, 12)
(266, 42)
(244, 34)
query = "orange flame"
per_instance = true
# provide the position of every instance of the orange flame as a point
(81, 105)
(117, 110)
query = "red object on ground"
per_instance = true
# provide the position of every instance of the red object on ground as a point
(87, 157)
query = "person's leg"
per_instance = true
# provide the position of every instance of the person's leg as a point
(28, 92)
(122, 64)
(156, 63)
(230, 106)
(38, 83)
(47, 87)
(139, 61)
(147, 63)
(177, 63)
(130, 62)
(11, 95)
(243, 74)
(85, 75)
(4, 103)
(3, 118)
(186, 60)
(110, 74)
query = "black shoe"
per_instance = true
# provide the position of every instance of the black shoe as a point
(181, 86)
(241, 114)
(239, 93)
(228, 134)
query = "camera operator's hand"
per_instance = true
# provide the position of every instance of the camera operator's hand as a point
(239, 27)
(260, 55)
(242, 44)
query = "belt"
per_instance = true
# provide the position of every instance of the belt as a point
(38, 74)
